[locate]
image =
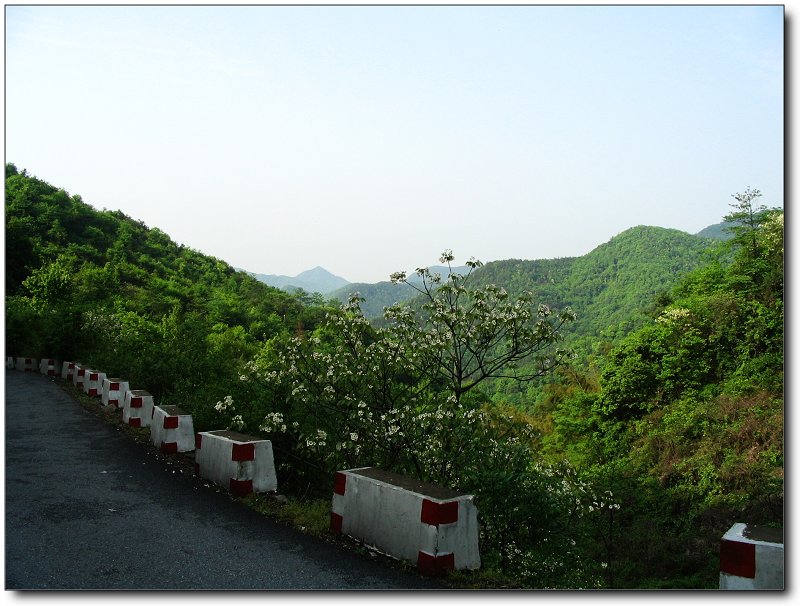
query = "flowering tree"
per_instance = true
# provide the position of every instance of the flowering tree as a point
(464, 336)
(397, 396)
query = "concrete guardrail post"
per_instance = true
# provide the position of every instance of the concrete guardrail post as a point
(79, 375)
(235, 461)
(67, 370)
(172, 430)
(137, 408)
(113, 392)
(432, 527)
(10, 363)
(26, 364)
(93, 382)
(751, 557)
(48, 367)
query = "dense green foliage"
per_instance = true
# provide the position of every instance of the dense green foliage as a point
(620, 466)
(613, 285)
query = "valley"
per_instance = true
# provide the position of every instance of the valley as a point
(596, 406)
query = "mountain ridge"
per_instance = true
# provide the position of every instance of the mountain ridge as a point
(613, 280)
(315, 280)
(383, 293)
(644, 245)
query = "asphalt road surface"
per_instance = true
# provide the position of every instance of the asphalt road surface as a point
(89, 508)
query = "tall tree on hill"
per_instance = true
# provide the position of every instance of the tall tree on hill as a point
(747, 217)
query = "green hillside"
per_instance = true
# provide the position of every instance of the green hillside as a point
(102, 288)
(718, 231)
(684, 416)
(610, 288)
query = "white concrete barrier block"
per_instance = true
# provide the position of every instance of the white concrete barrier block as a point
(79, 375)
(751, 557)
(10, 363)
(93, 382)
(236, 461)
(137, 408)
(67, 370)
(26, 364)
(113, 391)
(172, 430)
(427, 525)
(49, 367)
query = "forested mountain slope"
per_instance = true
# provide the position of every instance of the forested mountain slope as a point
(685, 416)
(103, 288)
(610, 287)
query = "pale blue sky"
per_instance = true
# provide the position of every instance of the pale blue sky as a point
(369, 139)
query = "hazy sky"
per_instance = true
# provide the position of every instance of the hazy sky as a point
(369, 139)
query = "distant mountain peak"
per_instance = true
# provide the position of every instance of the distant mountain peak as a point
(313, 280)
(319, 273)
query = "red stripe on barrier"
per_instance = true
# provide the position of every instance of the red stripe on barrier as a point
(339, 483)
(439, 513)
(93, 392)
(51, 373)
(81, 372)
(71, 366)
(241, 488)
(243, 452)
(113, 403)
(738, 559)
(336, 523)
(170, 422)
(435, 566)
(169, 447)
(136, 402)
(135, 422)
(94, 376)
(113, 387)
(198, 441)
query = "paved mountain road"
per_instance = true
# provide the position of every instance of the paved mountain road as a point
(88, 508)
